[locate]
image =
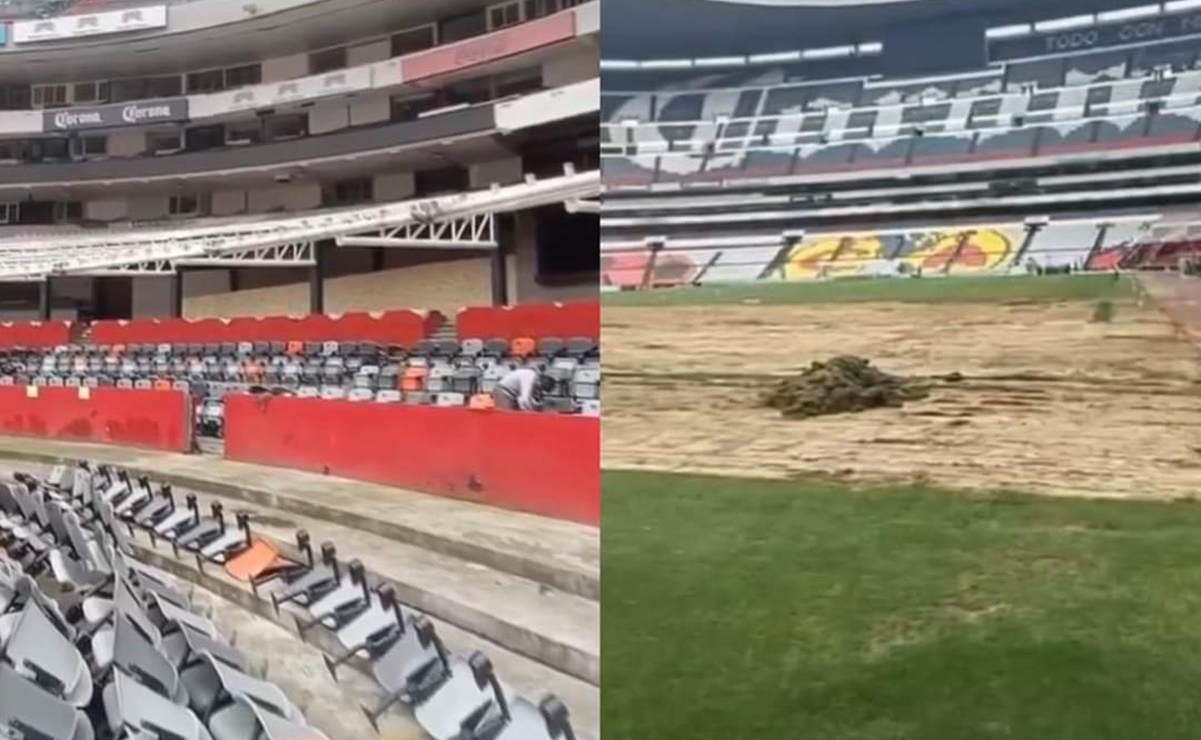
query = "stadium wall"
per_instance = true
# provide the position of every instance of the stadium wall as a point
(543, 464)
(160, 420)
(442, 286)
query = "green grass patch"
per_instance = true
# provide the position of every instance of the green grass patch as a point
(974, 289)
(764, 609)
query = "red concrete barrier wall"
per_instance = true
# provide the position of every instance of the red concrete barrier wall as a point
(159, 420)
(389, 327)
(543, 464)
(537, 320)
(35, 333)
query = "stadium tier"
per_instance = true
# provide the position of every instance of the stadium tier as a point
(242, 236)
(1059, 143)
(121, 649)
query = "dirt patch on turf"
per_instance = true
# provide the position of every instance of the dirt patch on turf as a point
(1049, 401)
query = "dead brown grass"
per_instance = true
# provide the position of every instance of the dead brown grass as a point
(1051, 403)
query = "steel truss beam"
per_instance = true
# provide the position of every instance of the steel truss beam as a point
(300, 254)
(76, 254)
(477, 231)
(579, 205)
(155, 267)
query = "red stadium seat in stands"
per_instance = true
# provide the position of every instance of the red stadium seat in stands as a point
(413, 379)
(523, 347)
(481, 402)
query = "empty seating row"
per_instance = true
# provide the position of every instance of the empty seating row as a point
(775, 155)
(451, 696)
(120, 651)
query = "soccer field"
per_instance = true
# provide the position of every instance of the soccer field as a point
(967, 289)
(788, 609)
(887, 575)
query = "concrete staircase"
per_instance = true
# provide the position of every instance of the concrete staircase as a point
(446, 332)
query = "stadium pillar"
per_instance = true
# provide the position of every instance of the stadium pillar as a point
(177, 294)
(500, 277)
(317, 282)
(44, 300)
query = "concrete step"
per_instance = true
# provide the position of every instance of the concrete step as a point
(557, 629)
(561, 555)
(528, 677)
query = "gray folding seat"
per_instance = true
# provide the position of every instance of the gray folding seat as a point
(214, 685)
(446, 348)
(547, 720)
(329, 348)
(74, 381)
(492, 376)
(412, 667)
(143, 384)
(590, 407)
(91, 382)
(471, 348)
(389, 376)
(551, 347)
(333, 392)
(6, 380)
(55, 381)
(449, 399)
(585, 383)
(466, 380)
(361, 394)
(40, 381)
(244, 349)
(467, 697)
(388, 396)
(439, 378)
(135, 655)
(308, 391)
(426, 348)
(247, 717)
(134, 708)
(559, 405)
(26, 711)
(38, 645)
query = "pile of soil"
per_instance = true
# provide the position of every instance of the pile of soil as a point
(843, 385)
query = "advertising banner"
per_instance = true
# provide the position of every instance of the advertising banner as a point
(146, 113)
(92, 24)
(1096, 37)
(483, 49)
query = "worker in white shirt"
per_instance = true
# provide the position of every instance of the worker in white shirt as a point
(521, 389)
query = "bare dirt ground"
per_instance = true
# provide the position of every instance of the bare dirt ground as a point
(1052, 403)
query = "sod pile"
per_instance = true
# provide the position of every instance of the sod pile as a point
(842, 385)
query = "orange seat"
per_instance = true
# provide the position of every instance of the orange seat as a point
(118, 349)
(162, 384)
(259, 558)
(481, 402)
(413, 379)
(253, 370)
(295, 347)
(523, 346)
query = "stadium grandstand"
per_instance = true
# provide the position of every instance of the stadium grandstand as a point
(1031, 138)
(262, 266)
